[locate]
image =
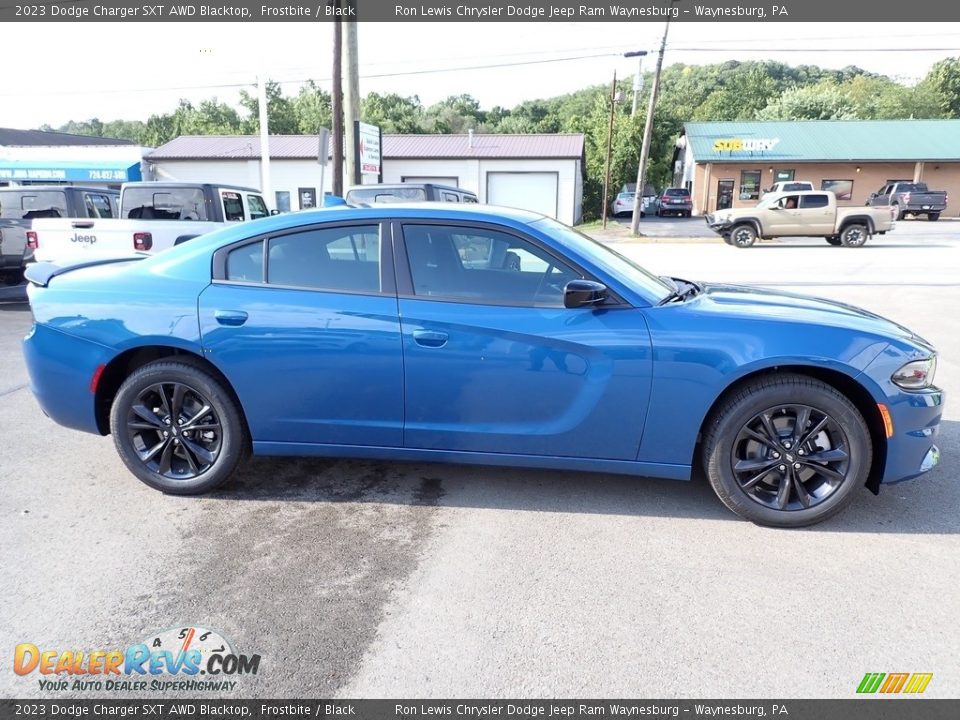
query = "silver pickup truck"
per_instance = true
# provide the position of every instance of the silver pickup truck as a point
(910, 198)
(800, 214)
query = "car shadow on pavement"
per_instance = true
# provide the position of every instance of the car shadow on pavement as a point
(924, 506)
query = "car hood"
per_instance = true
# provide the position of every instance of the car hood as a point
(791, 308)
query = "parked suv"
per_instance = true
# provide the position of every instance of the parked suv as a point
(408, 192)
(675, 201)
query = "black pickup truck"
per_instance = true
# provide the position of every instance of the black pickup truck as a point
(20, 205)
(910, 198)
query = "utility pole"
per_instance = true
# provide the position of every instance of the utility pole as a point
(638, 80)
(648, 132)
(336, 106)
(351, 100)
(606, 173)
(264, 136)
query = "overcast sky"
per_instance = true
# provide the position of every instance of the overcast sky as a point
(129, 71)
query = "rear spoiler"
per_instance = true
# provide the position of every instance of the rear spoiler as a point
(41, 273)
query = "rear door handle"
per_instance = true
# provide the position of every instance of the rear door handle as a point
(430, 338)
(230, 317)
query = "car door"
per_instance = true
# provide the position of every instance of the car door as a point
(782, 218)
(493, 361)
(304, 325)
(881, 197)
(817, 216)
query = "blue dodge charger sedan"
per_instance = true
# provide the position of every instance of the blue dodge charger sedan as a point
(476, 335)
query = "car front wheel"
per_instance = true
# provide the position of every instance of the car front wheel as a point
(787, 451)
(177, 428)
(743, 236)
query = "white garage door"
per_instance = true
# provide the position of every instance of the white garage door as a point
(526, 190)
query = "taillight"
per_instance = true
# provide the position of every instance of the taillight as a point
(32, 241)
(142, 241)
(906, 197)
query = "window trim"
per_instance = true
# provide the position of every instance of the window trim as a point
(405, 288)
(388, 285)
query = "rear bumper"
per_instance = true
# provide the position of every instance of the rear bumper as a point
(61, 368)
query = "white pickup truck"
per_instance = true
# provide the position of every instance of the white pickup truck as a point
(154, 216)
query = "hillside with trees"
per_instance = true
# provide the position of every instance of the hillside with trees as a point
(725, 91)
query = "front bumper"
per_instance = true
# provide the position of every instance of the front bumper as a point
(912, 451)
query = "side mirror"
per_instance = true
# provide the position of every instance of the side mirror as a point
(578, 293)
(274, 212)
(872, 195)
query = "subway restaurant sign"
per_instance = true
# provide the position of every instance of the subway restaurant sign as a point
(745, 144)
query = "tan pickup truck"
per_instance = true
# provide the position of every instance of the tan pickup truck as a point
(810, 213)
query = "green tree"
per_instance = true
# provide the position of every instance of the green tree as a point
(823, 101)
(393, 113)
(281, 115)
(312, 109)
(943, 81)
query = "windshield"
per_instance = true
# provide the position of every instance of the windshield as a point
(606, 259)
(676, 192)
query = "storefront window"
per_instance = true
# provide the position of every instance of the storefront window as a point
(843, 189)
(749, 184)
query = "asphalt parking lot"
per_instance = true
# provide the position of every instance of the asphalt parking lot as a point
(366, 579)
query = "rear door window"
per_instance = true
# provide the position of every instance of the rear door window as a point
(814, 201)
(232, 207)
(98, 206)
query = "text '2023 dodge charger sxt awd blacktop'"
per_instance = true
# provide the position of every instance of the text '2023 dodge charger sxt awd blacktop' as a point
(432, 332)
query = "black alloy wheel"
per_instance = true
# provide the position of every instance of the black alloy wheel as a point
(790, 457)
(786, 450)
(174, 430)
(177, 428)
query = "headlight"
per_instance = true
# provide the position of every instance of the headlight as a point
(915, 375)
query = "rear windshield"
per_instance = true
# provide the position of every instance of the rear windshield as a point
(677, 192)
(27, 204)
(386, 195)
(163, 203)
(911, 187)
(787, 187)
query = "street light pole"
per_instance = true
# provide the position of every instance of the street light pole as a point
(638, 80)
(648, 132)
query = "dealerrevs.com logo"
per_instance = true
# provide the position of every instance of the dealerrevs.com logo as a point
(186, 658)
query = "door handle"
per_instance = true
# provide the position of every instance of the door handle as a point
(230, 317)
(430, 338)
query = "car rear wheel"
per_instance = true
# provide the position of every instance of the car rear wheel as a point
(177, 428)
(743, 236)
(854, 235)
(786, 451)
(933, 217)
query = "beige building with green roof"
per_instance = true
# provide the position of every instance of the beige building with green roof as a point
(730, 164)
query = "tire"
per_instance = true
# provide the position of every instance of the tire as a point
(743, 236)
(835, 241)
(187, 461)
(727, 240)
(898, 213)
(933, 217)
(854, 235)
(816, 489)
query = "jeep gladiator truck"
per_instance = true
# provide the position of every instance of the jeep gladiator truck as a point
(21, 205)
(800, 214)
(910, 198)
(154, 216)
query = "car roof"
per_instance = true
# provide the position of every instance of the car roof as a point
(153, 184)
(54, 188)
(394, 186)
